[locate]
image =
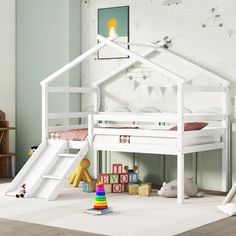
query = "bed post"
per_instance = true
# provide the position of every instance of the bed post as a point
(180, 156)
(225, 150)
(96, 105)
(44, 112)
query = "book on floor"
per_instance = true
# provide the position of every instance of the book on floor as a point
(94, 211)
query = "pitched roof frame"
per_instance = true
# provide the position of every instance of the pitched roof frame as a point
(134, 59)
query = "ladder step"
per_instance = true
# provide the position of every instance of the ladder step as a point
(51, 177)
(67, 155)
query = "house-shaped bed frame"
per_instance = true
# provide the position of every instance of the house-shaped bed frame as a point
(54, 166)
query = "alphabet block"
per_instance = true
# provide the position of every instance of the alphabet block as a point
(124, 178)
(114, 179)
(117, 168)
(89, 187)
(133, 178)
(144, 190)
(117, 188)
(108, 188)
(105, 178)
(133, 189)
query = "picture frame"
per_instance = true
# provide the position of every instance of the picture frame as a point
(113, 20)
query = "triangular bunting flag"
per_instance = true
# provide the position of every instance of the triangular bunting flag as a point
(136, 84)
(150, 89)
(163, 90)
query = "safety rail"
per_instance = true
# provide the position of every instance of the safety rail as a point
(46, 115)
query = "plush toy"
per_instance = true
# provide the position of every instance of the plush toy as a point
(190, 189)
(127, 170)
(22, 191)
(32, 150)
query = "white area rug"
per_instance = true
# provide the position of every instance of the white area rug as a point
(133, 215)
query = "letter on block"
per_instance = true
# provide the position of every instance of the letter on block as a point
(117, 188)
(117, 168)
(114, 179)
(133, 178)
(89, 187)
(107, 188)
(105, 178)
(124, 178)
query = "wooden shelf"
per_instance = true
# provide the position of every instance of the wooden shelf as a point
(7, 158)
(7, 128)
(7, 155)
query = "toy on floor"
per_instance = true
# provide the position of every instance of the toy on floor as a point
(117, 181)
(231, 196)
(32, 150)
(22, 191)
(89, 187)
(190, 189)
(100, 204)
(145, 189)
(228, 205)
(81, 173)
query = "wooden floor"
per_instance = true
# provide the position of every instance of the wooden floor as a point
(225, 227)
(18, 228)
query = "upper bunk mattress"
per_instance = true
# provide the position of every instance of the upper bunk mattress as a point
(76, 134)
(126, 139)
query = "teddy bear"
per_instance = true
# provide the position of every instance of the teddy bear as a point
(190, 189)
(22, 191)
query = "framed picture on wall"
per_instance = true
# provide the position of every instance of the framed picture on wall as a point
(113, 20)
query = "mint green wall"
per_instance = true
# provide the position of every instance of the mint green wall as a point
(47, 38)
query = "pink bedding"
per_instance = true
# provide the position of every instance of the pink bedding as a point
(76, 135)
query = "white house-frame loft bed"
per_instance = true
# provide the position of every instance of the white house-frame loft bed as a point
(219, 135)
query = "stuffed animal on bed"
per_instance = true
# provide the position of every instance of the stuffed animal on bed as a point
(190, 189)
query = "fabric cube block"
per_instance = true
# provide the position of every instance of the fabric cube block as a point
(145, 190)
(133, 189)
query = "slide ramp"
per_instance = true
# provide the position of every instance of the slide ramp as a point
(47, 170)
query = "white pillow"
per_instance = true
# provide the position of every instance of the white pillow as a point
(229, 208)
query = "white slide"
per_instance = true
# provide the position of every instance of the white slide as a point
(47, 170)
